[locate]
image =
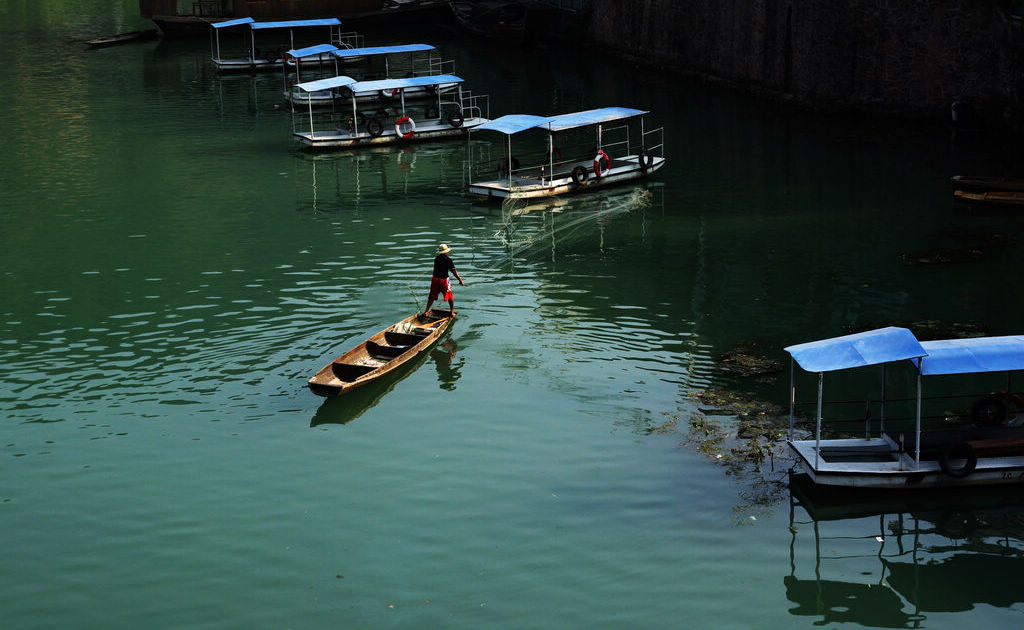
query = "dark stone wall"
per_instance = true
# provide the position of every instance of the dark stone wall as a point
(907, 57)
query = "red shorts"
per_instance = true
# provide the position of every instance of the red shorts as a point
(440, 286)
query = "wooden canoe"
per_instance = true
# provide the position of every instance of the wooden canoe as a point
(994, 197)
(380, 354)
(123, 38)
(985, 184)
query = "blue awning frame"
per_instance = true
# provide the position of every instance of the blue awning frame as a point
(326, 84)
(515, 123)
(371, 51)
(872, 347)
(229, 23)
(510, 124)
(309, 51)
(973, 355)
(362, 87)
(263, 26)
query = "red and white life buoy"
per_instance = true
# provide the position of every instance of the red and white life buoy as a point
(602, 163)
(400, 122)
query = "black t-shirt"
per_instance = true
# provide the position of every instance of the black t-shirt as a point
(442, 264)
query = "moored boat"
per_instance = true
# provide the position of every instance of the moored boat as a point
(269, 57)
(991, 197)
(501, 20)
(544, 171)
(381, 354)
(973, 183)
(374, 62)
(123, 38)
(449, 113)
(989, 449)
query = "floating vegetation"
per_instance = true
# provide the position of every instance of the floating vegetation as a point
(927, 329)
(935, 329)
(974, 242)
(737, 444)
(749, 359)
(942, 256)
(720, 402)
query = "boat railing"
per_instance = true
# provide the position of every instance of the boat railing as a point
(202, 8)
(653, 141)
(350, 39)
(475, 105)
(615, 140)
(896, 415)
(567, 5)
(433, 67)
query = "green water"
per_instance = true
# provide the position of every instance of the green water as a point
(173, 269)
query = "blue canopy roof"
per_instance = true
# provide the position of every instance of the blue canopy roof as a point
(392, 84)
(325, 84)
(309, 51)
(260, 26)
(867, 348)
(513, 123)
(383, 50)
(238, 22)
(969, 356)
(592, 117)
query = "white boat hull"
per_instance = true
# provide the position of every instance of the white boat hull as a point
(342, 139)
(248, 65)
(877, 463)
(523, 187)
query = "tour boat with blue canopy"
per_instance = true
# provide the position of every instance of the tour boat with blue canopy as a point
(345, 125)
(270, 57)
(560, 162)
(412, 60)
(986, 446)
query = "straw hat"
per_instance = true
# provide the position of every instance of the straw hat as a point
(443, 249)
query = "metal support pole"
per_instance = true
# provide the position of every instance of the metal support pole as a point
(917, 446)
(551, 158)
(881, 416)
(817, 432)
(309, 102)
(792, 395)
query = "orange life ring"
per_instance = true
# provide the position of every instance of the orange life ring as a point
(398, 127)
(598, 159)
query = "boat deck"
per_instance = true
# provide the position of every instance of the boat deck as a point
(535, 182)
(879, 462)
(425, 130)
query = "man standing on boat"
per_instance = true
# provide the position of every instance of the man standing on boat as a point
(439, 284)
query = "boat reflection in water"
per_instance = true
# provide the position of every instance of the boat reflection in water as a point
(887, 559)
(375, 172)
(354, 404)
